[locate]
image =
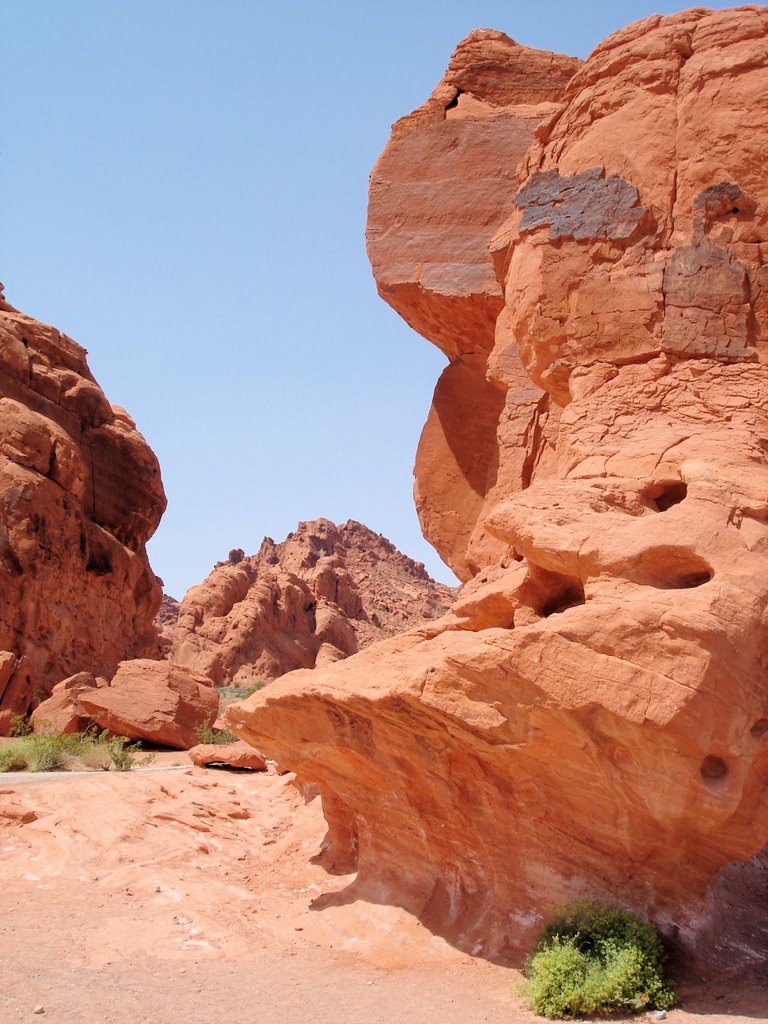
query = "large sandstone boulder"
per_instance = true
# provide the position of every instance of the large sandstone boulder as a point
(322, 594)
(235, 755)
(61, 712)
(153, 701)
(591, 718)
(80, 495)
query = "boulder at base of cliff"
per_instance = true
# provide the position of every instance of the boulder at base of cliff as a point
(236, 755)
(62, 713)
(154, 701)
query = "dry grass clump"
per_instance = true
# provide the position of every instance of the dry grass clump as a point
(88, 751)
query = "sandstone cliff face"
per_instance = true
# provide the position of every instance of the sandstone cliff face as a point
(439, 191)
(322, 594)
(591, 718)
(80, 494)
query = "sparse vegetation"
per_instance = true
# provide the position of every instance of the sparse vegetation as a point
(242, 692)
(597, 959)
(248, 691)
(207, 734)
(84, 751)
(20, 726)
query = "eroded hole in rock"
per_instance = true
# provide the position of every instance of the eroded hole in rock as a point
(665, 494)
(724, 199)
(552, 592)
(568, 597)
(309, 612)
(671, 568)
(713, 768)
(760, 728)
(99, 564)
(454, 102)
(694, 579)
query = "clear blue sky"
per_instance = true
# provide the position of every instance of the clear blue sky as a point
(183, 192)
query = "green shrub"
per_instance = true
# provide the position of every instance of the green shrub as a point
(39, 753)
(598, 959)
(207, 734)
(253, 688)
(89, 750)
(11, 759)
(20, 726)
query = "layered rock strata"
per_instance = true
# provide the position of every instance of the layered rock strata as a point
(80, 495)
(322, 594)
(591, 718)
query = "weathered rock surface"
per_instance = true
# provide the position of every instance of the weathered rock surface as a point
(80, 494)
(236, 755)
(591, 718)
(441, 188)
(322, 594)
(16, 688)
(154, 701)
(165, 621)
(61, 712)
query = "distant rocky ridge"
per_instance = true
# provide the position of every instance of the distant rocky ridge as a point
(325, 592)
(322, 594)
(165, 621)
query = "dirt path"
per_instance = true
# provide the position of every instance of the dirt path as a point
(186, 896)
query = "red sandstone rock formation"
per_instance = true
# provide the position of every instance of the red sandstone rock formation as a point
(591, 718)
(439, 191)
(80, 494)
(146, 700)
(61, 712)
(236, 755)
(16, 689)
(165, 621)
(152, 700)
(322, 594)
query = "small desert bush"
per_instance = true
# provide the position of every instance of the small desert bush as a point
(93, 756)
(207, 734)
(52, 751)
(12, 759)
(598, 959)
(38, 753)
(20, 726)
(249, 691)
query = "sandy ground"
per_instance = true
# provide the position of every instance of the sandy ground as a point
(187, 896)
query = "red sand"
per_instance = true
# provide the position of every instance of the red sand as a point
(178, 896)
